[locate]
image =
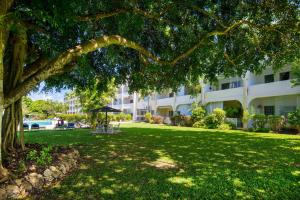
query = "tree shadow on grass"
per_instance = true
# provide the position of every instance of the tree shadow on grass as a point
(175, 163)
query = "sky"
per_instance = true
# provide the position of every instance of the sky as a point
(55, 96)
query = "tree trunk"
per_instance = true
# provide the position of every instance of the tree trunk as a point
(13, 113)
(4, 7)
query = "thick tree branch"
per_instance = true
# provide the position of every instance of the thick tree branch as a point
(56, 65)
(5, 6)
(33, 68)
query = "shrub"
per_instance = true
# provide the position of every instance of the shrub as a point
(198, 114)
(72, 117)
(148, 117)
(220, 115)
(259, 121)
(224, 127)
(175, 120)
(157, 119)
(211, 121)
(122, 116)
(231, 125)
(199, 124)
(128, 117)
(276, 122)
(186, 121)
(294, 119)
(233, 112)
(262, 130)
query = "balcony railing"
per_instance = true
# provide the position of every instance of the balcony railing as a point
(224, 95)
(277, 88)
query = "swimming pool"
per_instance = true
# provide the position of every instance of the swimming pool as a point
(41, 123)
(46, 124)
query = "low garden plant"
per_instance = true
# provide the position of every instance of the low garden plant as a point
(156, 119)
(294, 119)
(40, 158)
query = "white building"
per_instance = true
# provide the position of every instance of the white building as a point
(74, 106)
(267, 93)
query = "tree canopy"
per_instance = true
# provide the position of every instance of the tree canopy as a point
(70, 43)
(181, 39)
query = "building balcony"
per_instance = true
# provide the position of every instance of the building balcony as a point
(224, 95)
(277, 88)
(165, 101)
(128, 105)
(185, 99)
(119, 106)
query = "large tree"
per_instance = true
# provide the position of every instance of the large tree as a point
(139, 42)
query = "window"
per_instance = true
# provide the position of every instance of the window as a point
(171, 94)
(131, 101)
(225, 86)
(171, 113)
(269, 110)
(284, 76)
(284, 110)
(269, 78)
(236, 84)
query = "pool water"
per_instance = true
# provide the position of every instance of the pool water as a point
(39, 122)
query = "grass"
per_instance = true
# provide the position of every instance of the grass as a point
(163, 162)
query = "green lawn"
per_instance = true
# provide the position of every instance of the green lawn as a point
(165, 162)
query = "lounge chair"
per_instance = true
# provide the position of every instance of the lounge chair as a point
(99, 129)
(116, 129)
(35, 126)
(71, 125)
(25, 126)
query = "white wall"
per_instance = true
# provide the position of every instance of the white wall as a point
(281, 104)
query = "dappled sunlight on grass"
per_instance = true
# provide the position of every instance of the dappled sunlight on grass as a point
(149, 161)
(187, 182)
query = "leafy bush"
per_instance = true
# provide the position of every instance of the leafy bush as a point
(148, 117)
(294, 119)
(156, 119)
(128, 117)
(259, 121)
(233, 112)
(224, 126)
(220, 115)
(231, 125)
(276, 122)
(181, 120)
(41, 159)
(175, 120)
(199, 124)
(72, 117)
(198, 114)
(215, 119)
(211, 121)
(262, 130)
(186, 121)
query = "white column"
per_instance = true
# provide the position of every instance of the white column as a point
(245, 90)
(122, 96)
(204, 89)
(245, 105)
(134, 107)
(174, 102)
